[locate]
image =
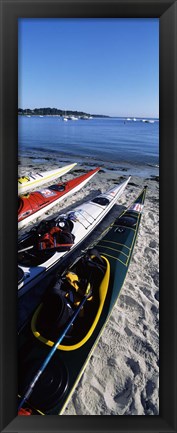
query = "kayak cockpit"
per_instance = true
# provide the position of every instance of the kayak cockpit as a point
(59, 304)
(127, 220)
(102, 201)
(59, 188)
(44, 240)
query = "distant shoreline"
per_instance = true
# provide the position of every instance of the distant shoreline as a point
(80, 115)
(56, 112)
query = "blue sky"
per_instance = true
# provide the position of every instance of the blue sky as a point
(100, 66)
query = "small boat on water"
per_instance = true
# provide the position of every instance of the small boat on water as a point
(74, 118)
(56, 346)
(65, 118)
(147, 121)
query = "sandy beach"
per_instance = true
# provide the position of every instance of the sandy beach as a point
(122, 375)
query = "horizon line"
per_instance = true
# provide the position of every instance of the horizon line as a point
(93, 114)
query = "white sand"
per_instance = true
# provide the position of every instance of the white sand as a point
(122, 375)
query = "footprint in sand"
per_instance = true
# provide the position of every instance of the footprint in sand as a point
(146, 292)
(128, 331)
(131, 304)
(150, 386)
(153, 244)
(154, 310)
(151, 216)
(123, 397)
(155, 277)
(157, 295)
(149, 407)
(134, 365)
(148, 252)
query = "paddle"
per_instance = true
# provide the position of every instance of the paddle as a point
(55, 249)
(26, 249)
(54, 348)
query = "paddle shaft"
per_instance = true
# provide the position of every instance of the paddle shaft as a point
(25, 249)
(51, 353)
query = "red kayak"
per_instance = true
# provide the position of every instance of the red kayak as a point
(33, 205)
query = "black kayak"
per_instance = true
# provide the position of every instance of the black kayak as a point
(102, 269)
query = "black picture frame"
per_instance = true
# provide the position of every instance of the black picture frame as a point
(166, 11)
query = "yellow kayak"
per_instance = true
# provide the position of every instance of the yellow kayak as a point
(25, 183)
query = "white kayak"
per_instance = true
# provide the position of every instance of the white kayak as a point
(25, 183)
(36, 257)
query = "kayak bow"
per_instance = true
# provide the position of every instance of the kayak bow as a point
(25, 183)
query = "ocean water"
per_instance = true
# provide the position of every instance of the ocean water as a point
(106, 141)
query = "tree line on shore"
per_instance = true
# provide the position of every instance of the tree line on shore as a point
(53, 112)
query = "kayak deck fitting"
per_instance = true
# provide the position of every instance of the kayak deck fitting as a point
(116, 248)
